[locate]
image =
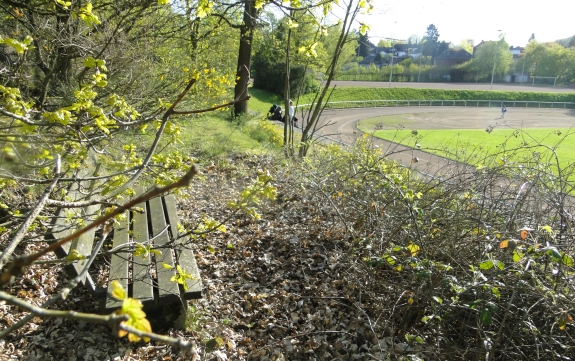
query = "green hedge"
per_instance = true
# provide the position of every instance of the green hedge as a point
(352, 93)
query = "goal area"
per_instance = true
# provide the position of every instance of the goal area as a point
(544, 80)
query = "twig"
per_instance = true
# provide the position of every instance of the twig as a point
(23, 229)
(116, 321)
(211, 109)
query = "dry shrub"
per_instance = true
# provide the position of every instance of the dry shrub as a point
(475, 264)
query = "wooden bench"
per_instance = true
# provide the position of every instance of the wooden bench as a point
(153, 223)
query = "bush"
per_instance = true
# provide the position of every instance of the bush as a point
(269, 74)
(473, 265)
(265, 131)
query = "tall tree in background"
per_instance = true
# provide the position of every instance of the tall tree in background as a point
(430, 41)
(413, 39)
(550, 59)
(247, 27)
(467, 45)
(363, 47)
(384, 43)
(492, 52)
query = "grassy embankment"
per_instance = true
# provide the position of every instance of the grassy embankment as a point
(212, 136)
(351, 93)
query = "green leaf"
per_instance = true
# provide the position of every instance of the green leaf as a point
(426, 319)
(213, 344)
(486, 316)
(74, 255)
(487, 265)
(141, 250)
(567, 260)
(495, 291)
(438, 300)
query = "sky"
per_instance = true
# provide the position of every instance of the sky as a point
(456, 20)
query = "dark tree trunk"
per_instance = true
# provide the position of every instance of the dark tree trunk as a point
(245, 56)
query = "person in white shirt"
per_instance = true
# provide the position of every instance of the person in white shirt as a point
(292, 114)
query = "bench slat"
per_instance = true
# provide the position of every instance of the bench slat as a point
(119, 263)
(170, 201)
(168, 291)
(142, 286)
(186, 258)
(61, 227)
(187, 261)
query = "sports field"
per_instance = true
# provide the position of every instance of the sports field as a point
(441, 129)
(445, 131)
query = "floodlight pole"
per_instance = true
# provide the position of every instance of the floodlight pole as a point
(494, 62)
(493, 71)
(419, 75)
(523, 69)
(391, 69)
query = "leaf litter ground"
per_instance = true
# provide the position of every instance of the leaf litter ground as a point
(277, 288)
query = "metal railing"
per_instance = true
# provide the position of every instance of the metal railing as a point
(355, 104)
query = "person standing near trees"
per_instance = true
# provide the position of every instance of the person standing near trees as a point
(503, 111)
(292, 114)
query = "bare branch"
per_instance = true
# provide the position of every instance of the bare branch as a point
(23, 229)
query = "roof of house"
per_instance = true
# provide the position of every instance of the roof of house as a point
(367, 60)
(460, 54)
(402, 47)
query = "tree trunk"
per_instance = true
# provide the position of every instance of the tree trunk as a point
(245, 56)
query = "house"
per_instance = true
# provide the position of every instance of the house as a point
(516, 51)
(452, 57)
(368, 60)
(380, 56)
(477, 47)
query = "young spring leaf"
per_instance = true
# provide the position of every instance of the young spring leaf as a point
(487, 265)
(118, 292)
(413, 249)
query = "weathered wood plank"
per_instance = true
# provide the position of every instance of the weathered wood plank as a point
(119, 263)
(170, 202)
(187, 261)
(142, 280)
(186, 258)
(168, 291)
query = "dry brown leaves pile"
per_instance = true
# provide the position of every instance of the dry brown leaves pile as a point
(276, 288)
